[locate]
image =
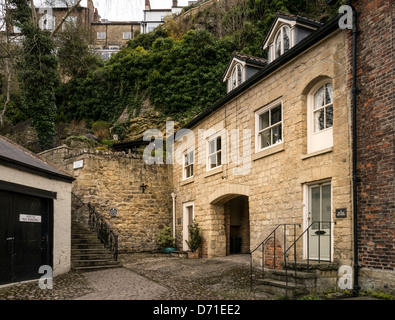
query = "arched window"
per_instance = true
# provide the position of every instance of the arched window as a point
(236, 77)
(320, 116)
(323, 108)
(282, 42)
(47, 22)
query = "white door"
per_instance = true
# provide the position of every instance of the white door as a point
(319, 216)
(188, 216)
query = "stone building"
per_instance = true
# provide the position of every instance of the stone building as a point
(275, 150)
(111, 36)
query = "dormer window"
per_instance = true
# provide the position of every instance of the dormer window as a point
(282, 42)
(240, 68)
(237, 76)
(286, 32)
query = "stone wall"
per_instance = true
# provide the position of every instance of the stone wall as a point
(112, 180)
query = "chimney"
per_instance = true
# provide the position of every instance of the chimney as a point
(147, 5)
(175, 3)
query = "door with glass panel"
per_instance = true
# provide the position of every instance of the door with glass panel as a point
(320, 215)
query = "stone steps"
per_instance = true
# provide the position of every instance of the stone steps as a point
(286, 283)
(87, 251)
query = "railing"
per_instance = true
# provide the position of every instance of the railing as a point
(319, 232)
(272, 235)
(104, 232)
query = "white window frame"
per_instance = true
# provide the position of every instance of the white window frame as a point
(192, 164)
(211, 138)
(127, 35)
(280, 33)
(186, 222)
(235, 75)
(258, 132)
(101, 35)
(50, 24)
(322, 139)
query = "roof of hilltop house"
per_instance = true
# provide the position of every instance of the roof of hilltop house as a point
(14, 155)
(324, 30)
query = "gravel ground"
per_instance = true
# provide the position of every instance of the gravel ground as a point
(150, 277)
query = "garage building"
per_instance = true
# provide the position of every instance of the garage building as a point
(35, 215)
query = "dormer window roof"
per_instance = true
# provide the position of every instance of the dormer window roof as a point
(240, 68)
(287, 31)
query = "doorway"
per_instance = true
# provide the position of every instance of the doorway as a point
(319, 218)
(25, 236)
(237, 225)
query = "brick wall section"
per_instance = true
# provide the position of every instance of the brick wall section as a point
(376, 144)
(112, 180)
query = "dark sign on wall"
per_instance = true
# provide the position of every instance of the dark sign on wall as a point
(341, 213)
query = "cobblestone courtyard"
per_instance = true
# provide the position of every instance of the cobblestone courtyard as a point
(150, 277)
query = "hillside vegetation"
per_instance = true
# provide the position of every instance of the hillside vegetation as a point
(176, 71)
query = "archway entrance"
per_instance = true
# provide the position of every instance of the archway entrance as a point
(229, 231)
(237, 225)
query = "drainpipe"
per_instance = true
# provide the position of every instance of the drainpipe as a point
(173, 195)
(354, 146)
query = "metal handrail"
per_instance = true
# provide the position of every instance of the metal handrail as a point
(307, 230)
(270, 236)
(104, 231)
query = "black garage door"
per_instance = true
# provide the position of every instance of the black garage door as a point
(26, 223)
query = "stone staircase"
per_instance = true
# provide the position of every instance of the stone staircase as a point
(308, 279)
(87, 251)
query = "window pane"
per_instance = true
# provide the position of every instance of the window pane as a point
(234, 79)
(277, 134)
(266, 139)
(319, 120)
(191, 157)
(326, 206)
(328, 93)
(219, 162)
(315, 207)
(218, 143)
(191, 170)
(278, 46)
(263, 120)
(275, 115)
(329, 116)
(286, 39)
(239, 78)
(212, 146)
(213, 161)
(186, 160)
(319, 98)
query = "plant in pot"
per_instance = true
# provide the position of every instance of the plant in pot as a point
(195, 240)
(166, 240)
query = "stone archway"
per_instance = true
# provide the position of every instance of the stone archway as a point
(229, 216)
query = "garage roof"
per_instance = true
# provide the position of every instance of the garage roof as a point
(12, 154)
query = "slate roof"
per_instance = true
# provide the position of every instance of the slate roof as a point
(15, 155)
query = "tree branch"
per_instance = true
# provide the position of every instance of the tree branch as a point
(65, 17)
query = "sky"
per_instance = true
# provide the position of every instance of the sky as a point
(129, 10)
(125, 10)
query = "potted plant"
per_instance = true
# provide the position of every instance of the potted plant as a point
(195, 240)
(166, 240)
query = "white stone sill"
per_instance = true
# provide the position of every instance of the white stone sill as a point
(213, 172)
(268, 152)
(317, 153)
(187, 181)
